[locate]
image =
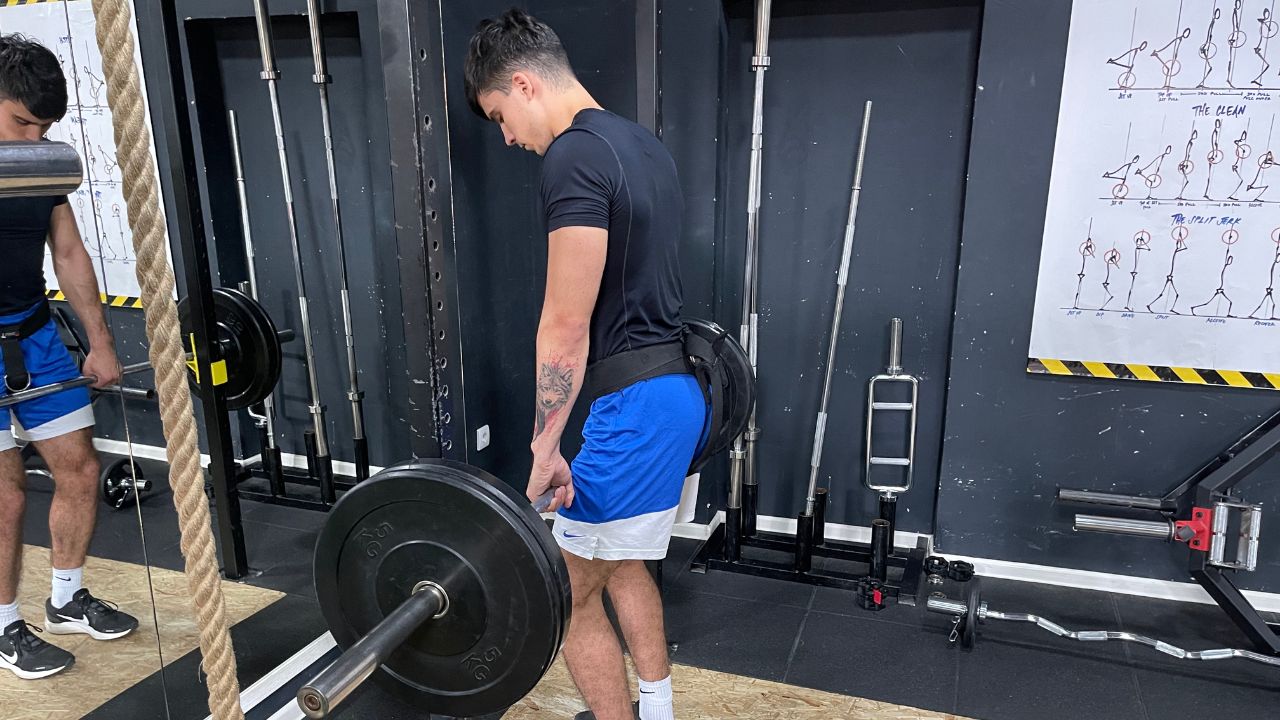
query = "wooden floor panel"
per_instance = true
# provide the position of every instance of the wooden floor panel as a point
(104, 669)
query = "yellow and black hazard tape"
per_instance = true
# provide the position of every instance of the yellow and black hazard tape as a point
(120, 301)
(1154, 373)
(16, 3)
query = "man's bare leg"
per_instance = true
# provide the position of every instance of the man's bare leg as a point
(75, 467)
(13, 501)
(591, 648)
(638, 603)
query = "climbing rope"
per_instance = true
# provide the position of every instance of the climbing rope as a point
(133, 142)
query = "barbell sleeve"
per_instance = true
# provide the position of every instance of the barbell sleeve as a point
(320, 696)
(29, 169)
(1157, 529)
(129, 393)
(946, 606)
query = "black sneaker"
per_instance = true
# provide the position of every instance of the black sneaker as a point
(29, 657)
(89, 615)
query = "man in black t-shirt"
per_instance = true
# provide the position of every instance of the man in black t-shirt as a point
(612, 204)
(33, 96)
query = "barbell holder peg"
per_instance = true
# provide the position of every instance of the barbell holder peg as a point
(1155, 529)
(1111, 499)
(320, 696)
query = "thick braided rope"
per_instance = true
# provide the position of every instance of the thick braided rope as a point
(133, 140)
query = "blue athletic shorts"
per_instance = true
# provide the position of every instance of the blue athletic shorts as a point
(47, 361)
(637, 444)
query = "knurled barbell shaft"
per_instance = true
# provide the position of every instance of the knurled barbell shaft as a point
(320, 696)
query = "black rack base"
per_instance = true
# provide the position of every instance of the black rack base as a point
(292, 476)
(902, 581)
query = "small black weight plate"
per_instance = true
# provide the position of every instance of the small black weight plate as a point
(969, 623)
(118, 478)
(460, 527)
(737, 383)
(960, 571)
(250, 346)
(935, 565)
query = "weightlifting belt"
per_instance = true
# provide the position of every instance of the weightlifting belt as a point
(631, 366)
(16, 377)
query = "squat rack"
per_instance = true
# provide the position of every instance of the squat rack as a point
(411, 46)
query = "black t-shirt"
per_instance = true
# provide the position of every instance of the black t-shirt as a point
(607, 172)
(24, 229)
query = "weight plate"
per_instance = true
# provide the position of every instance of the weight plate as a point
(533, 521)
(960, 571)
(738, 387)
(118, 483)
(536, 524)
(935, 565)
(969, 623)
(509, 597)
(250, 347)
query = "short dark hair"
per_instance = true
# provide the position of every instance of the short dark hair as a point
(512, 41)
(31, 74)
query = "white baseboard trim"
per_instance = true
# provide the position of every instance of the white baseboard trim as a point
(153, 452)
(787, 526)
(1122, 584)
(146, 452)
(283, 673)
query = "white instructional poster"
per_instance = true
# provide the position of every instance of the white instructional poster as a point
(68, 29)
(1161, 255)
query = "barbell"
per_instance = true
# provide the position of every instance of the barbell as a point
(445, 585)
(246, 374)
(249, 345)
(975, 611)
(29, 169)
(442, 583)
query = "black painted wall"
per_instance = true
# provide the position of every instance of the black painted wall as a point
(915, 62)
(1013, 439)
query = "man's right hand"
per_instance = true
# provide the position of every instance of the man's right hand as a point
(551, 473)
(102, 364)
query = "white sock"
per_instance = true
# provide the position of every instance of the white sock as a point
(65, 584)
(655, 700)
(9, 614)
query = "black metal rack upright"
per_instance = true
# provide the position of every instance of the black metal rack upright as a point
(169, 103)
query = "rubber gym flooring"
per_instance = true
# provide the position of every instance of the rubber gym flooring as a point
(746, 647)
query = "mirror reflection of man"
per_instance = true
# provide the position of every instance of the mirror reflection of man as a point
(33, 96)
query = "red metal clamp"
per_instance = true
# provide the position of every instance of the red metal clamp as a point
(1197, 531)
